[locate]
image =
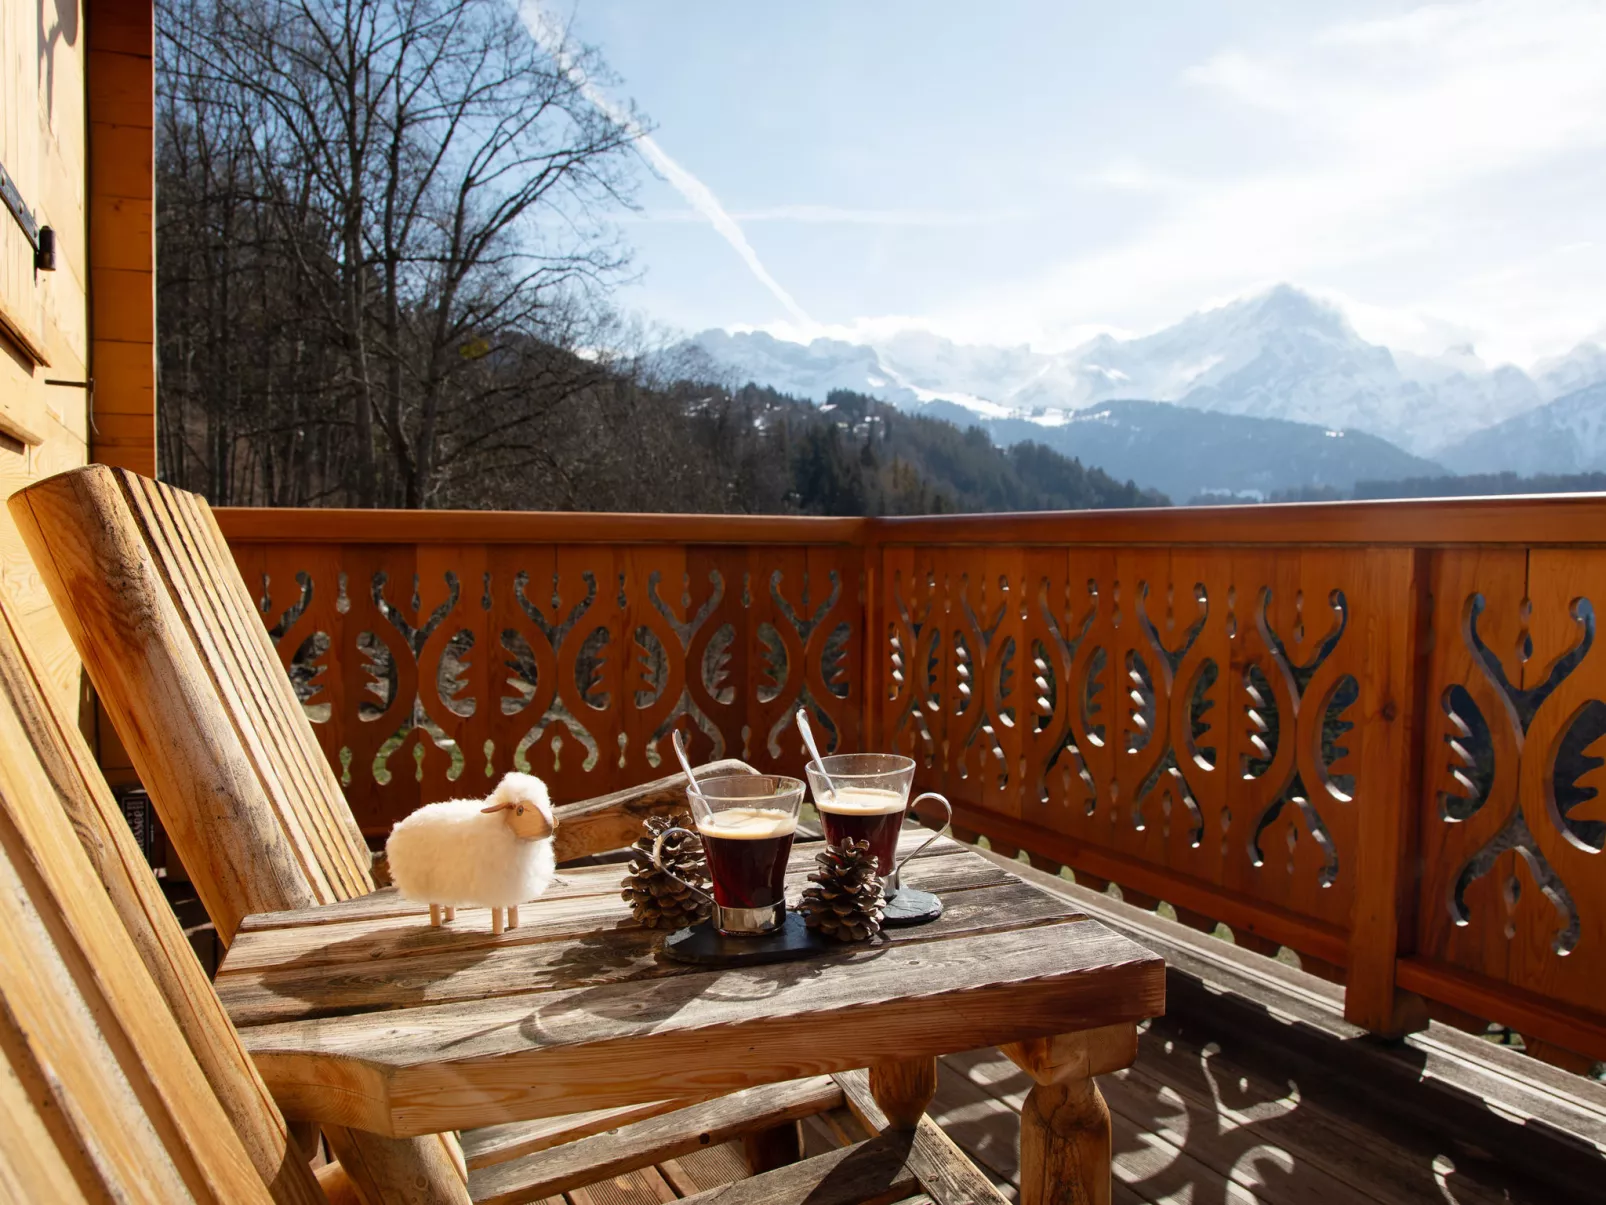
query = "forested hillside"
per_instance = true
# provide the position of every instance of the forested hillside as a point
(1478, 485)
(858, 456)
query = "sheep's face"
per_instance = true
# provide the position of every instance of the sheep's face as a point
(528, 821)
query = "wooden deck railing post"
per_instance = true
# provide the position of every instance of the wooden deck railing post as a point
(875, 641)
(1383, 922)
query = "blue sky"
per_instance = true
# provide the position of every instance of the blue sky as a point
(1035, 172)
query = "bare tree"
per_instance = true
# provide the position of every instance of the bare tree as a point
(425, 175)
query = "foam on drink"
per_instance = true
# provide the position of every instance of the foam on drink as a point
(748, 824)
(862, 801)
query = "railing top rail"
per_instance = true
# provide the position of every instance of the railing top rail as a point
(1556, 520)
(1536, 519)
(271, 525)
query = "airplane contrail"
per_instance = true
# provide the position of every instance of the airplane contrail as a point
(701, 198)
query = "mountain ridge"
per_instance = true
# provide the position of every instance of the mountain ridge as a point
(1282, 354)
(1567, 435)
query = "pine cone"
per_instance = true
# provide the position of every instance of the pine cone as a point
(657, 900)
(845, 902)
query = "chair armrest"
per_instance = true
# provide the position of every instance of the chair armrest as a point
(595, 826)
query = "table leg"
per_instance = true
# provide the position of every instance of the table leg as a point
(1065, 1145)
(1065, 1125)
(903, 1088)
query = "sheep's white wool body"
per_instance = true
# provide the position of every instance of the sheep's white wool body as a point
(453, 853)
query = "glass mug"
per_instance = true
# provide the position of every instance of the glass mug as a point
(747, 823)
(870, 801)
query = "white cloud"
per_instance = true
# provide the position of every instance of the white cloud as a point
(1129, 175)
(1407, 161)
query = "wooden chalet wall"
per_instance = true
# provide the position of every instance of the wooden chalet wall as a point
(122, 241)
(44, 316)
(77, 344)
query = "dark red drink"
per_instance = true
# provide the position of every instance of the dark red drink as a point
(747, 848)
(865, 814)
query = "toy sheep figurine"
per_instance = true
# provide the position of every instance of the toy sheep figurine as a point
(494, 853)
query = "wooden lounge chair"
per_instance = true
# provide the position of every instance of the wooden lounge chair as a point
(158, 611)
(123, 1079)
(147, 588)
(121, 1075)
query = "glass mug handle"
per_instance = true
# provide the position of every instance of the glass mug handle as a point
(947, 817)
(658, 862)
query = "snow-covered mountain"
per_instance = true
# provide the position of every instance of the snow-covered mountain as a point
(1579, 368)
(1567, 435)
(1280, 355)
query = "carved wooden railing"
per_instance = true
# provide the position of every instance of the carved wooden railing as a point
(1370, 732)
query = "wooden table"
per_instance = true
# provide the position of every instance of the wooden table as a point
(360, 1014)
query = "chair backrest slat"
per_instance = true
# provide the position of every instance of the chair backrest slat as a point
(79, 794)
(211, 594)
(232, 682)
(96, 1068)
(300, 742)
(183, 665)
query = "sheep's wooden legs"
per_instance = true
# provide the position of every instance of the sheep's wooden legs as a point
(500, 917)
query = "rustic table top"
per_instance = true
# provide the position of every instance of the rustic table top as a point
(360, 1014)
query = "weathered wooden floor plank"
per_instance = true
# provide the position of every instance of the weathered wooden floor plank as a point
(1234, 1130)
(705, 1169)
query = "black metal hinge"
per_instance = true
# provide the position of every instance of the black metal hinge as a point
(41, 238)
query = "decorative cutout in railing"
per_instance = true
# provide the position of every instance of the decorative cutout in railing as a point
(1192, 714)
(429, 671)
(1515, 885)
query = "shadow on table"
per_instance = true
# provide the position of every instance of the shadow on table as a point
(414, 966)
(655, 999)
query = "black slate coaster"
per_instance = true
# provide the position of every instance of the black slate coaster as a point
(910, 907)
(703, 945)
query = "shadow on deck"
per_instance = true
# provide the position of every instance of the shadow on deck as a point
(1254, 1089)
